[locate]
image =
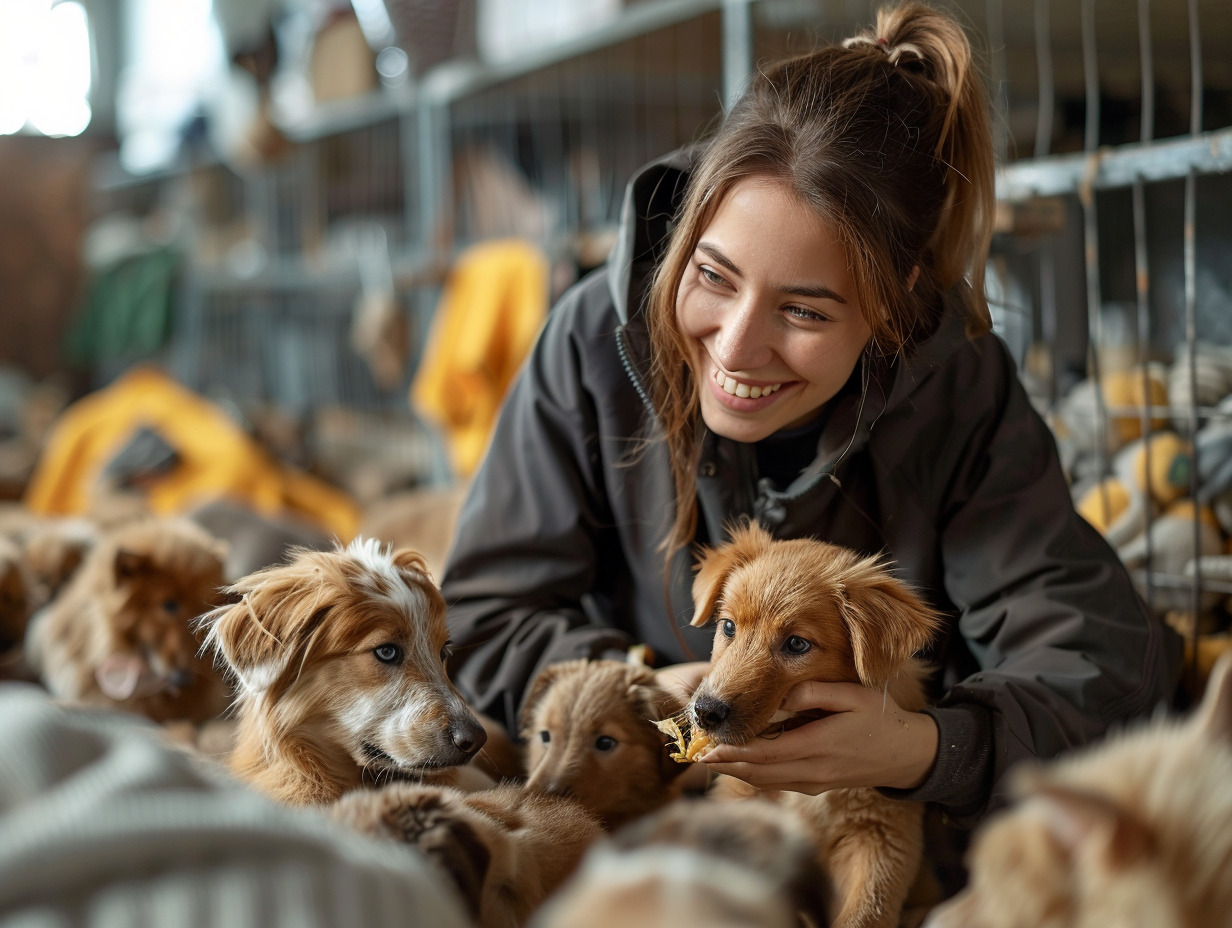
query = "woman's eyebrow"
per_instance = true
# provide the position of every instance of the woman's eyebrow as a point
(805, 290)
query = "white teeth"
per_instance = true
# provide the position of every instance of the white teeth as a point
(736, 388)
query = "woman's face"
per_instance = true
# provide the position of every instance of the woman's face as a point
(769, 307)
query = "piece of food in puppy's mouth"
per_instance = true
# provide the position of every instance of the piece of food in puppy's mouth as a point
(689, 743)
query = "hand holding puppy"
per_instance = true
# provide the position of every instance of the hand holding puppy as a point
(866, 739)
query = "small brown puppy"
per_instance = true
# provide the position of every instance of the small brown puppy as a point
(504, 848)
(340, 660)
(121, 633)
(699, 862)
(1135, 832)
(589, 735)
(797, 610)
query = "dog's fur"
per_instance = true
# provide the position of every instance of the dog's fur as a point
(504, 848)
(589, 733)
(319, 712)
(698, 862)
(865, 627)
(121, 633)
(1135, 832)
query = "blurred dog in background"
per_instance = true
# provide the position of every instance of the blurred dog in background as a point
(1134, 832)
(121, 632)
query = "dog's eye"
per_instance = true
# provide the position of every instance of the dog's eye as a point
(446, 651)
(388, 653)
(728, 628)
(796, 645)
(545, 736)
(605, 743)
(171, 606)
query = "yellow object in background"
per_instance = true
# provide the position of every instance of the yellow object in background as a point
(1105, 503)
(215, 458)
(492, 308)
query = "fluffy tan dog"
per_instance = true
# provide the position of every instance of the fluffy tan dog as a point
(698, 862)
(121, 633)
(505, 849)
(797, 610)
(1135, 832)
(340, 660)
(589, 735)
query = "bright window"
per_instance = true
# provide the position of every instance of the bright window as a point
(45, 67)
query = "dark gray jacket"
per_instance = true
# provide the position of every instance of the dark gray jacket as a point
(942, 464)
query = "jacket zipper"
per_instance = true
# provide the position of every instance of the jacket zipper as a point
(630, 370)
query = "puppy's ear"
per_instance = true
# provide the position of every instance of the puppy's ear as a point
(886, 621)
(1213, 718)
(131, 565)
(748, 539)
(257, 635)
(538, 690)
(650, 702)
(411, 561)
(1079, 818)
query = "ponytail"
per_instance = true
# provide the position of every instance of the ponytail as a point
(919, 39)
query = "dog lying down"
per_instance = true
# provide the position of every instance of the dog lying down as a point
(121, 632)
(589, 735)
(1134, 832)
(340, 661)
(505, 849)
(699, 862)
(797, 610)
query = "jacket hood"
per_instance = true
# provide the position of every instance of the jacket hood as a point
(652, 198)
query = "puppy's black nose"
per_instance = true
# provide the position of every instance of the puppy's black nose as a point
(709, 713)
(467, 735)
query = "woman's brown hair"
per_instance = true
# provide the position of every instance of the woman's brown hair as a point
(887, 137)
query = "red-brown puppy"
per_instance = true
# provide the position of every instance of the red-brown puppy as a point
(340, 660)
(797, 610)
(589, 733)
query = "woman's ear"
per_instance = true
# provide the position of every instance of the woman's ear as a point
(913, 277)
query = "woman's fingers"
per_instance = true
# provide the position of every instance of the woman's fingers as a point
(832, 697)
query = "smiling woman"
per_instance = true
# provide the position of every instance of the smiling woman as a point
(793, 331)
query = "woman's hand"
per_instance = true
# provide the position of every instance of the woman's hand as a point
(867, 741)
(682, 679)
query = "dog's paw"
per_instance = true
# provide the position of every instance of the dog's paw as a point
(427, 818)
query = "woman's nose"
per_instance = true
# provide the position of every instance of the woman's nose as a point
(743, 344)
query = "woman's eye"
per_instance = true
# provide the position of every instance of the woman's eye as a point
(388, 653)
(728, 628)
(796, 645)
(711, 276)
(803, 312)
(605, 743)
(446, 651)
(545, 736)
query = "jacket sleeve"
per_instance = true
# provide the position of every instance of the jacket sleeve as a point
(526, 550)
(1064, 647)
